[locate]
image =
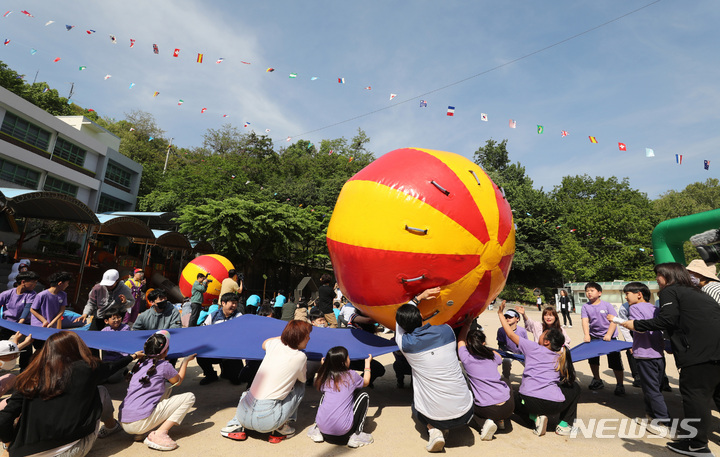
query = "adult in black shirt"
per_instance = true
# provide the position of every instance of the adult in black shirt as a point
(326, 294)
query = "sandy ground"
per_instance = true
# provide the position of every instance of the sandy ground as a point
(394, 430)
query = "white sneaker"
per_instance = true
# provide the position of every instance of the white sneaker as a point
(569, 326)
(286, 429)
(315, 434)
(360, 439)
(488, 430)
(540, 425)
(228, 429)
(436, 441)
(655, 427)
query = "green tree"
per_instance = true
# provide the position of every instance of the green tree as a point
(695, 198)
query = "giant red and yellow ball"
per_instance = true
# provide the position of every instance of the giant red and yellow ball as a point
(415, 219)
(214, 266)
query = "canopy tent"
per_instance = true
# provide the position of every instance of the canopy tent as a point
(202, 247)
(38, 204)
(171, 239)
(239, 338)
(156, 220)
(111, 224)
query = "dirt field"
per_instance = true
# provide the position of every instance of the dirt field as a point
(393, 429)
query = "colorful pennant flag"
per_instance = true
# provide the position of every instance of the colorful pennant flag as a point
(483, 117)
(176, 52)
(156, 93)
(131, 85)
(203, 110)
(564, 133)
(113, 39)
(423, 103)
(392, 96)
(313, 78)
(33, 51)
(246, 124)
(155, 49)
(220, 60)
(180, 102)
(341, 80)
(26, 13)
(132, 129)
(269, 70)
(649, 152)
(540, 129)
(593, 139)
(7, 13)
(6, 42)
(69, 27)
(451, 111)
(512, 124)
(199, 58)
(132, 43)
(246, 63)
(293, 75)
(90, 32)
(267, 130)
(108, 76)
(151, 138)
(46, 89)
(706, 164)
(368, 88)
(82, 67)
(56, 59)
(678, 159)
(225, 115)
(288, 139)
(622, 147)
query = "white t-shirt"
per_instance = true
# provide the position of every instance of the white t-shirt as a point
(278, 372)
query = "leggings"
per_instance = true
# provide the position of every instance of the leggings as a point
(567, 409)
(360, 408)
(566, 316)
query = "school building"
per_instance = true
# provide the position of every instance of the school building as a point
(70, 155)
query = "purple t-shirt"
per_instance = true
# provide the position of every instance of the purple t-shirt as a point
(141, 399)
(335, 413)
(650, 344)
(13, 304)
(110, 356)
(597, 315)
(487, 387)
(48, 305)
(503, 340)
(539, 379)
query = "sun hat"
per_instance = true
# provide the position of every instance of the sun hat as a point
(700, 267)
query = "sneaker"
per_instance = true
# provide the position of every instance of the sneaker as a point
(286, 429)
(620, 390)
(360, 439)
(596, 384)
(540, 425)
(234, 432)
(160, 441)
(275, 438)
(315, 434)
(436, 441)
(569, 326)
(565, 431)
(488, 430)
(685, 448)
(105, 432)
(208, 380)
(636, 382)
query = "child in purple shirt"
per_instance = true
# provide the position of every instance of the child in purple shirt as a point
(493, 402)
(341, 414)
(596, 325)
(648, 352)
(507, 345)
(49, 305)
(548, 383)
(114, 323)
(148, 403)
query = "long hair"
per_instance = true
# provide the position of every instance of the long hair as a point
(556, 324)
(475, 344)
(333, 368)
(153, 350)
(564, 363)
(674, 273)
(49, 372)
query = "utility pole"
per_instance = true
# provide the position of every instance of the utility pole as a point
(167, 155)
(36, 74)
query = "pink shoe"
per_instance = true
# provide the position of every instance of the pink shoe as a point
(160, 441)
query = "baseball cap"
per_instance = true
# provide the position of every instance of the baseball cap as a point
(8, 347)
(110, 277)
(137, 270)
(511, 313)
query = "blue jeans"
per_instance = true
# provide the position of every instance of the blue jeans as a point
(264, 416)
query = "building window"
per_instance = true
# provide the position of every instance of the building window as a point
(70, 152)
(18, 174)
(23, 130)
(57, 185)
(109, 204)
(118, 174)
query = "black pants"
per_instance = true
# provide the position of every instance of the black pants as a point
(401, 366)
(632, 364)
(651, 374)
(566, 316)
(194, 314)
(247, 374)
(567, 409)
(229, 368)
(495, 412)
(360, 408)
(377, 369)
(614, 360)
(698, 385)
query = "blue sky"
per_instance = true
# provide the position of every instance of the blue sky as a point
(649, 80)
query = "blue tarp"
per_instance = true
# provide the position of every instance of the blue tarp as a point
(240, 338)
(583, 351)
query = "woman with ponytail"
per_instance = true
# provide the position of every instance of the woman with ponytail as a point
(148, 403)
(493, 402)
(548, 381)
